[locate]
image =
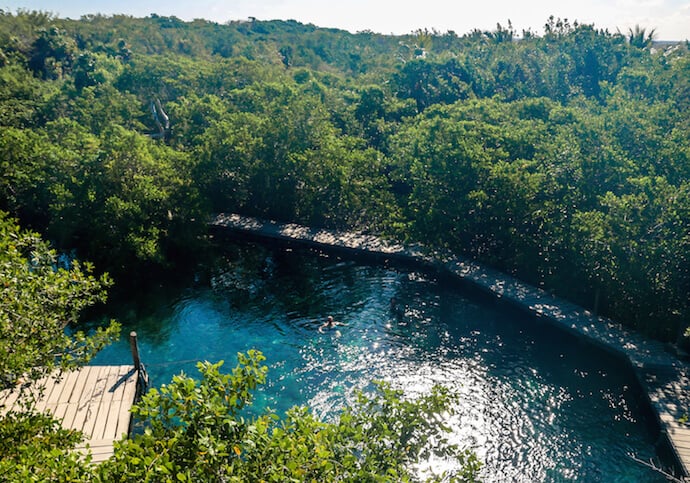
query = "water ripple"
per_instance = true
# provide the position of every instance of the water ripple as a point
(533, 403)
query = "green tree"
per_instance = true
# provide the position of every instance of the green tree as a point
(52, 54)
(41, 296)
(23, 97)
(640, 38)
(134, 196)
(432, 82)
(201, 430)
(34, 448)
(342, 185)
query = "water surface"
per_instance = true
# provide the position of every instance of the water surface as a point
(535, 403)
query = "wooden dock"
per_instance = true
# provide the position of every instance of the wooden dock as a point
(93, 399)
(663, 377)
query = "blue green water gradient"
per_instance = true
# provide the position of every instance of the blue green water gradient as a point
(535, 404)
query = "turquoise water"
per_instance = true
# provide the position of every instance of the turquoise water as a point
(535, 403)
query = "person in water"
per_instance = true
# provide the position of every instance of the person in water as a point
(329, 324)
(396, 310)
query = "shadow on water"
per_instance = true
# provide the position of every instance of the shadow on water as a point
(536, 403)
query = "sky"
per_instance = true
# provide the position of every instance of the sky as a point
(669, 18)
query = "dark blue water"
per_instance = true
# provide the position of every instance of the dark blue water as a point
(535, 403)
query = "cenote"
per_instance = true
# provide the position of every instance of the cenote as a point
(536, 404)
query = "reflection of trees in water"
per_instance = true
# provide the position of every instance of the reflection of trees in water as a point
(147, 311)
(247, 274)
(297, 282)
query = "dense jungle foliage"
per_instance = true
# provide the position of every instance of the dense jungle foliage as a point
(563, 159)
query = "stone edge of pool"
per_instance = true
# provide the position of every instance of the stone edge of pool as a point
(662, 376)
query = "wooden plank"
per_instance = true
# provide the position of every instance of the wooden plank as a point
(60, 411)
(129, 386)
(94, 403)
(111, 429)
(122, 375)
(84, 409)
(683, 437)
(101, 449)
(129, 393)
(679, 434)
(82, 376)
(52, 400)
(71, 380)
(114, 428)
(64, 384)
(680, 445)
(679, 438)
(111, 379)
(9, 399)
(46, 384)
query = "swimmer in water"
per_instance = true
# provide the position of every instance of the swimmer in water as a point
(329, 324)
(396, 310)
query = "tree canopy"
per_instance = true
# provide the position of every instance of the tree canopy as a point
(563, 159)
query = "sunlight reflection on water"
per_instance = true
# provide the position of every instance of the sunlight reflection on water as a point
(535, 404)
